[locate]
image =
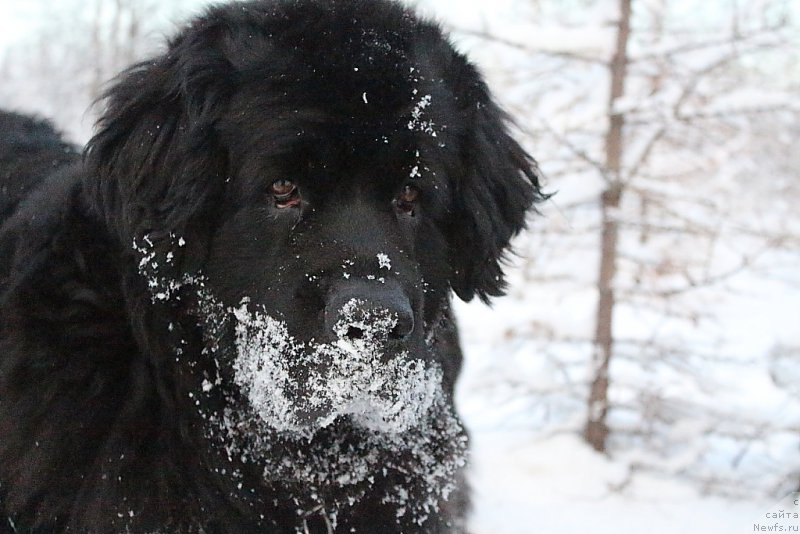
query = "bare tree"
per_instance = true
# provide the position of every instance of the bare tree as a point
(596, 429)
(668, 182)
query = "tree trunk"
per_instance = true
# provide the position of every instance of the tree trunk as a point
(596, 430)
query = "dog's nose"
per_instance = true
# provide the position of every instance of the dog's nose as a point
(358, 309)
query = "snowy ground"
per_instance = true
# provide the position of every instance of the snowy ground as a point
(526, 482)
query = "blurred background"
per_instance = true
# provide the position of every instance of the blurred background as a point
(643, 373)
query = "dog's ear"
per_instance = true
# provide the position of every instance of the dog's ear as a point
(498, 185)
(155, 160)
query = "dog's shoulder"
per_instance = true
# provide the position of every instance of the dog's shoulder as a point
(37, 221)
(30, 150)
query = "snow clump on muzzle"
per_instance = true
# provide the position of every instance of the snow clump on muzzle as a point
(301, 387)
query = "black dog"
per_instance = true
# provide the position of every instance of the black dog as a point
(232, 314)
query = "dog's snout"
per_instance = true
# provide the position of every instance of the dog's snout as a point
(357, 310)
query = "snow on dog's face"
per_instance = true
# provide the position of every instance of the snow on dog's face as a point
(312, 330)
(301, 387)
(359, 406)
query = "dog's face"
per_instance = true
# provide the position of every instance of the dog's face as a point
(333, 225)
(329, 175)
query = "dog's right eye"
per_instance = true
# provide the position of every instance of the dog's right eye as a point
(285, 193)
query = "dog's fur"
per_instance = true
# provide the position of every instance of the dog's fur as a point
(120, 274)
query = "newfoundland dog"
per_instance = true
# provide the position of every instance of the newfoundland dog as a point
(231, 314)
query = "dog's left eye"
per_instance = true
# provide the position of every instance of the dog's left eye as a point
(406, 200)
(285, 193)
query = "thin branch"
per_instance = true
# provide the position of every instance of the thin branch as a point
(699, 75)
(730, 39)
(737, 112)
(645, 154)
(599, 167)
(559, 54)
(711, 280)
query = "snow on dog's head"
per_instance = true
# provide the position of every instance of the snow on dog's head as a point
(301, 387)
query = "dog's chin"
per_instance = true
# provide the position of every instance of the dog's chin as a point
(341, 462)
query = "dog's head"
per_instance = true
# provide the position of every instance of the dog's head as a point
(327, 172)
